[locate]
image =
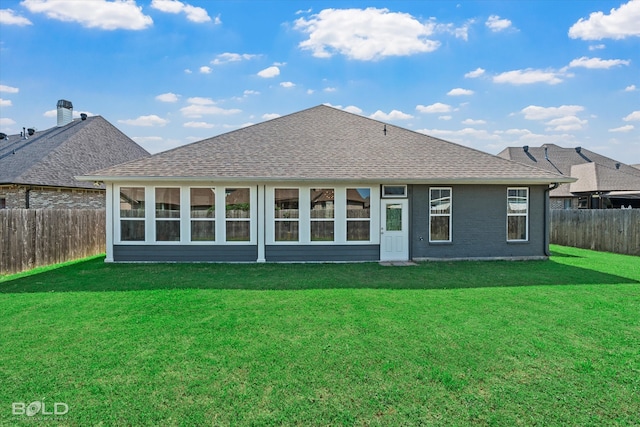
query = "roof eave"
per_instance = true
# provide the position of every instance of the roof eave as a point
(384, 180)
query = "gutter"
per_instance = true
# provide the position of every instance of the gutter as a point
(547, 214)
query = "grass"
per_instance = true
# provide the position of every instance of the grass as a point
(467, 343)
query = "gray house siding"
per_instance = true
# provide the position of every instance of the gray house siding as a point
(479, 221)
(185, 253)
(322, 253)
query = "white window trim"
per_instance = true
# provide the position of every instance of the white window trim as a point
(312, 220)
(340, 215)
(156, 219)
(185, 215)
(450, 214)
(214, 219)
(526, 239)
(298, 220)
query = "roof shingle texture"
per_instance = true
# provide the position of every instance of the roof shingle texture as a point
(563, 159)
(324, 143)
(53, 157)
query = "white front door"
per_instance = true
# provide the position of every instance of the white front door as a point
(394, 230)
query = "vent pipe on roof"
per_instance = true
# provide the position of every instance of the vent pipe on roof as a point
(24, 134)
(617, 165)
(31, 131)
(578, 150)
(526, 148)
(546, 153)
(2, 136)
(83, 116)
(65, 112)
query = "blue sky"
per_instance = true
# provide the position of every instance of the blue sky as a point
(486, 74)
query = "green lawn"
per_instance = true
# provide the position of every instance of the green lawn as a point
(449, 343)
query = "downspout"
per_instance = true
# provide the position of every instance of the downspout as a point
(547, 215)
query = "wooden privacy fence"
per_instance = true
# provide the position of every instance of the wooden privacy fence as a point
(36, 237)
(609, 230)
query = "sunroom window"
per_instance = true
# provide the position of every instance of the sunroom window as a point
(238, 214)
(322, 214)
(203, 214)
(358, 214)
(167, 214)
(286, 214)
(132, 214)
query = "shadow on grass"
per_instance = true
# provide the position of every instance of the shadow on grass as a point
(94, 275)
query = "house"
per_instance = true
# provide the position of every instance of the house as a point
(37, 168)
(601, 182)
(323, 184)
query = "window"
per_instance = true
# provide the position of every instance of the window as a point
(238, 214)
(132, 214)
(322, 214)
(394, 191)
(358, 214)
(167, 214)
(286, 214)
(440, 214)
(203, 214)
(517, 214)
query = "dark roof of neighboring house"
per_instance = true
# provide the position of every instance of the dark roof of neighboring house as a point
(54, 156)
(560, 159)
(327, 144)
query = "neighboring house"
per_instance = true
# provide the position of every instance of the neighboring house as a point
(601, 182)
(37, 168)
(324, 185)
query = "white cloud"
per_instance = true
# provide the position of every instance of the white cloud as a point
(9, 89)
(102, 14)
(5, 103)
(205, 69)
(618, 24)
(630, 88)
(187, 71)
(205, 106)
(597, 62)
(625, 128)
(269, 72)
(459, 92)
(475, 73)
(270, 116)
(534, 112)
(151, 120)
(200, 101)
(495, 23)
(352, 109)
(365, 34)
(167, 97)
(597, 46)
(9, 17)
(472, 122)
(460, 133)
(198, 125)
(393, 115)
(438, 107)
(287, 84)
(225, 58)
(565, 124)
(445, 117)
(194, 14)
(76, 114)
(461, 32)
(310, 91)
(530, 76)
(329, 89)
(4, 121)
(250, 92)
(634, 116)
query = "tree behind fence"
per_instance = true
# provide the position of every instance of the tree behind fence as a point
(37, 237)
(609, 230)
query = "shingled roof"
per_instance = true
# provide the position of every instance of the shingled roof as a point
(554, 158)
(327, 144)
(54, 156)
